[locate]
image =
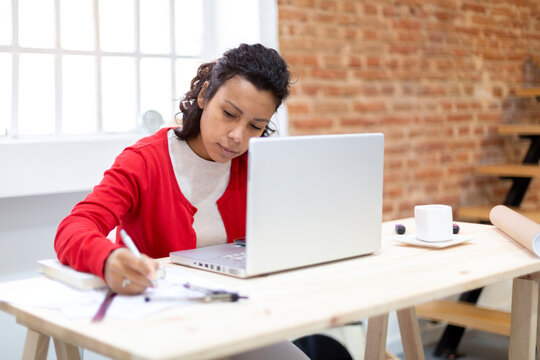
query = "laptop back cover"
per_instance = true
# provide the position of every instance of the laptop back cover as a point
(313, 199)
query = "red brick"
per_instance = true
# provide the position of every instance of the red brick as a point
(372, 106)
(373, 74)
(444, 15)
(292, 14)
(431, 174)
(404, 49)
(328, 5)
(371, 35)
(407, 24)
(388, 89)
(341, 90)
(310, 89)
(473, 7)
(357, 121)
(459, 117)
(370, 9)
(329, 73)
(312, 124)
(307, 60)
(389, 11)
(370, 90)
(395, 120)
(373, 61)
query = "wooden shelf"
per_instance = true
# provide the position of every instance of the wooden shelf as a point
(519, 129)
(521, 170)
(466, 315)
(481, 213)
(528, 92)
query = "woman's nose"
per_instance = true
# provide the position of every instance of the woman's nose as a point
(237, 133)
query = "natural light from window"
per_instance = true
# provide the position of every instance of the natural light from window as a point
(94, 67)
(117, 33)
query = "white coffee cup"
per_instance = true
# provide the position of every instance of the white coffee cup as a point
(433, 222)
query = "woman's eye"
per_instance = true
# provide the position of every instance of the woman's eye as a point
(228, 114)
(256, 127)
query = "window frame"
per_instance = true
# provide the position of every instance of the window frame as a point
(88, 156)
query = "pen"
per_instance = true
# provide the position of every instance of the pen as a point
(209, 295)
(225, 297)
(131, 246)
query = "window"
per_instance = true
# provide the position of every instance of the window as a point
(76, 75)
(83, 67)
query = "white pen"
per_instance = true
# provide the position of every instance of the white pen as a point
(131, 246)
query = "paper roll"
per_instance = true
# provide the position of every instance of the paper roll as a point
(518, 227)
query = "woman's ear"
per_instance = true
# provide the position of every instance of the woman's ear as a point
(201, 101)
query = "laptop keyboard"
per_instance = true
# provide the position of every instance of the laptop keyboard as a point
(239, 256)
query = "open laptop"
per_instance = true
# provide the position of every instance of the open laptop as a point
(310, 200)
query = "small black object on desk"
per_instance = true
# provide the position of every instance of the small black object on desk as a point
(400, 229)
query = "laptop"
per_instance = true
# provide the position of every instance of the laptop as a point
(310, 200)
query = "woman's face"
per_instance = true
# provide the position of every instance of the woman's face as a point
(237, 112)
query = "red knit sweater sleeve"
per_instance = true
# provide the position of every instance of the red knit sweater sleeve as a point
(81, 237)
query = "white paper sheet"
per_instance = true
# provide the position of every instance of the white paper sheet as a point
(75, 303)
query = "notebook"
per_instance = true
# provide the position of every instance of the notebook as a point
(58, 271)
(310, 200)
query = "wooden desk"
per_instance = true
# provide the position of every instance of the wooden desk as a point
(295, 303)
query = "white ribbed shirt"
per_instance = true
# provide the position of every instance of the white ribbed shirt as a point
(202, 182)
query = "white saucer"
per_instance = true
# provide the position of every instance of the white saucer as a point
(413, 240)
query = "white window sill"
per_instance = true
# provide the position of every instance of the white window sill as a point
(57, 165)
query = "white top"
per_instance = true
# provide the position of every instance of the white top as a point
(202, 182)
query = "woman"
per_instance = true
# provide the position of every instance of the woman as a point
(182, 187)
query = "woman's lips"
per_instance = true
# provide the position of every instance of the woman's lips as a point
(226, 150)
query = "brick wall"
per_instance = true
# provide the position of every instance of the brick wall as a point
(436, 77)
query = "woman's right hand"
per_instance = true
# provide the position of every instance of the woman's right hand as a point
(127, 274)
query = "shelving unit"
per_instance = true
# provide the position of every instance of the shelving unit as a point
(520, 174)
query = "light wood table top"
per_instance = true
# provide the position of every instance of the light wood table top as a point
(294, 303)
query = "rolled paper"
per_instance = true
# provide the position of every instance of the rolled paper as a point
(520, 228)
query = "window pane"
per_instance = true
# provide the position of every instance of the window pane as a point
(5, 22)
(186, 69)
(118, 94)
(188, 22)
(79, 94)
(36, 23)
(5, 92)
(36, 94)
(156, 87)
(155, 33)
(77, 24)
(117, 25)
(238, 22)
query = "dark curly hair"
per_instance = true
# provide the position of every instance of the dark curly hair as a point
(261, 66)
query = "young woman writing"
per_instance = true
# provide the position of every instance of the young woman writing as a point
(183, 187)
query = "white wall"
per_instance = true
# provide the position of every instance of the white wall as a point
(27, 228)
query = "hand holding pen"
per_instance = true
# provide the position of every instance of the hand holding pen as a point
(127, 271)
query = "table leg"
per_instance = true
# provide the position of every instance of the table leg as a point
(524, 319)
(65, 351)
(36, 346)
(376, 337)
(410, 334)
(538, 323)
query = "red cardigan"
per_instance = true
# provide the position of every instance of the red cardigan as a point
(140, 194)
